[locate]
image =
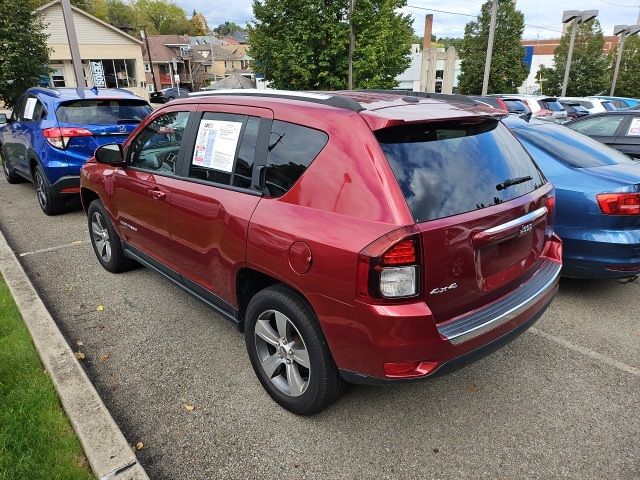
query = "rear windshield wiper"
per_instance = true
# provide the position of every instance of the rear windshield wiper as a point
(512, 181)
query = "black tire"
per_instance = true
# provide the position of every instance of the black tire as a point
(50, 203)
(11, 176)
(170, 98)
(322, 382)
(115, 261)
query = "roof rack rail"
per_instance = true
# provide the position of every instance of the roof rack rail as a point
(436, 96)
(329, 99)
(52, 92)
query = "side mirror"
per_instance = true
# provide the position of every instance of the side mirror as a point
(110, 154)
(3, 118)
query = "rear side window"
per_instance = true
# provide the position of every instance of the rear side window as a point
(225, 149)
(604, 125)
(586, 104)
(554, 105)
(291, 150)
(516, 106)
(103, 112)
(569, 147)
(608, 106)
(450, 168)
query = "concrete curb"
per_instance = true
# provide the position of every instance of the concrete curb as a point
(108, 452)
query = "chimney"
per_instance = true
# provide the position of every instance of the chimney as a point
(428, 27)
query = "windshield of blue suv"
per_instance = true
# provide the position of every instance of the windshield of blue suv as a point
(445, 169)
(103, 112)
(571, 148)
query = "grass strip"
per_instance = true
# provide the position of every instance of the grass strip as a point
(36, 439)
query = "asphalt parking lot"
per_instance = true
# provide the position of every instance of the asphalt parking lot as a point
(562, 401)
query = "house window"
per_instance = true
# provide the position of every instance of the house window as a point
(147, 67)
(151, 87)
(57, 77)
(113, 73)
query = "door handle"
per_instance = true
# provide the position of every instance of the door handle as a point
(157, 194)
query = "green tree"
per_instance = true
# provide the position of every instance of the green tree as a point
(304, 44)
(24, 56)
(446, 42)
(589, 74)
(162, 17)
(508, 69)
(227, 28)
(628, 81)
(121, 14)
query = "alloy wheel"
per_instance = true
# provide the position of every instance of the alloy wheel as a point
(282, 353)
(41, 190)
(100, 236)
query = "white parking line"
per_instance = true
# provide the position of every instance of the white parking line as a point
(612, 362)
(58, 247)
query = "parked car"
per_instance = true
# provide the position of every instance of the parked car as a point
(52, 132)
(597, 199)
(621, 103)
(574, 109)
(410, 252)
(541, 106)
(167, 94)
(511, 105)
(594, 105)
(620, 130)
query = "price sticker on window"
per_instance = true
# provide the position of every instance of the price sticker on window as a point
(216, 145)
(634, 128)
(30, 108)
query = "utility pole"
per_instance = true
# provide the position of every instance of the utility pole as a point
(67, 14)
(153, 73)
(352, 41)
(487, 63)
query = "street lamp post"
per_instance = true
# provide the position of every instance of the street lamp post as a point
(622, 31)
(574, 17)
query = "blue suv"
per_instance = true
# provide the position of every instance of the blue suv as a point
(53, 132)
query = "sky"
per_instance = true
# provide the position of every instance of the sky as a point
(543, 17)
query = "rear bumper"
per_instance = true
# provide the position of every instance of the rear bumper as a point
(604, 254)
(69, 184)
(455, 363)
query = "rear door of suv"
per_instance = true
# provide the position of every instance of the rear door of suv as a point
(216, 195)
(480, 204)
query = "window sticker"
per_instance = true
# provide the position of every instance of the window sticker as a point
(216, 145)
(634, 128)
(29, 108)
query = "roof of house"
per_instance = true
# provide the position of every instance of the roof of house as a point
(240, 36)
(160, 52)
(233, 81)
(96, 19)
(204, 40)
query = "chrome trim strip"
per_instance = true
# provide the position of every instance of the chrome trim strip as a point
(529, 217)
(476, 330)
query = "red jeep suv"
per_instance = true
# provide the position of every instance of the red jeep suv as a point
(366, 237)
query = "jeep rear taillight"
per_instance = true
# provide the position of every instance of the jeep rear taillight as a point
(59, 137)
(389, 268)
(619, 203)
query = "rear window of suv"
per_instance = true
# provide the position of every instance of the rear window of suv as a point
(103, 112)
(553, 105)
(445, 169)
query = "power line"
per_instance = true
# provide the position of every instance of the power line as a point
(475, 16)
(620, 5)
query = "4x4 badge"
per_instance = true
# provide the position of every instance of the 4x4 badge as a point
(525, 229)
(435, 291)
